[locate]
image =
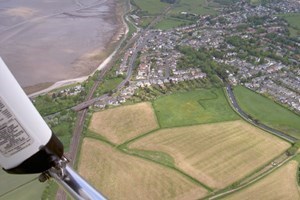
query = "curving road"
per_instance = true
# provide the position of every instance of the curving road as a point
(247, 117)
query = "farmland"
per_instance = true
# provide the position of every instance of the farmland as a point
(293, 20)
(151, 7)
(20, 186)
(173, 18)
(122, 123)
(178, 146)
(169, 23)
(268, 112)
(206, 151)
(281, 184)
(202, 7)
(120, 176)
(31, 190)
(194, 107)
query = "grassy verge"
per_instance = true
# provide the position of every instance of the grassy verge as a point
(267, 111)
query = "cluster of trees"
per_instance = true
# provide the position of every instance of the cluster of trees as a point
(249, 47)
(202, 59)
(257, 20)
(154, 91)
(283, 40)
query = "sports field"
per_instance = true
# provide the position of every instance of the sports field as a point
(120, 176)
(281, 184)
(215, 154)
(194, 107)
(267, 111)
(122, 123)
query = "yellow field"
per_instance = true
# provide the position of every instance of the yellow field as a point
(281, 184)
(122, 123)
(120, 176)
(215, 154)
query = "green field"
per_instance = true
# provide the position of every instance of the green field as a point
(20, 186)
(255, 2)
(293, 20)
(202, 7)
(146, 21)
(267, 111)
(151, 7)
(194, 107)
(32, 190)
(108, 85)
(174, 18)
(169, 23)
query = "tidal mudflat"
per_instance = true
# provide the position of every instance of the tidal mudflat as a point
(52, 40)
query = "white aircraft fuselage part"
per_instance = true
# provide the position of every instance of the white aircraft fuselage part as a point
(23, 132)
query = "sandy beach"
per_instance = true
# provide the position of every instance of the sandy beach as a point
(46, 44)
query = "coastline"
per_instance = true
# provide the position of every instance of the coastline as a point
(111, 49)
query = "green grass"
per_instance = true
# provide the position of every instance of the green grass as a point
(108, 85)
(293, 19)
(255, 2)
(50, 191)
(174, 18)
(151, 7)
(268, 112)
(64, 131)
(294, 32)
(194, 107)
(297, 158)
(9, 182)
(20, 187)
(146, 21)
(30, 191)
(169, 23)
(202, 7)
(46, 105)
(132, 29)
(156, 156)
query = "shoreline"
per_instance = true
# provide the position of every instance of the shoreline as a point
(117, 39)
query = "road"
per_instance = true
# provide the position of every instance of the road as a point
(81, 115)
(250, 182)
(83, 107)
(238, 109)
(139, 44)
